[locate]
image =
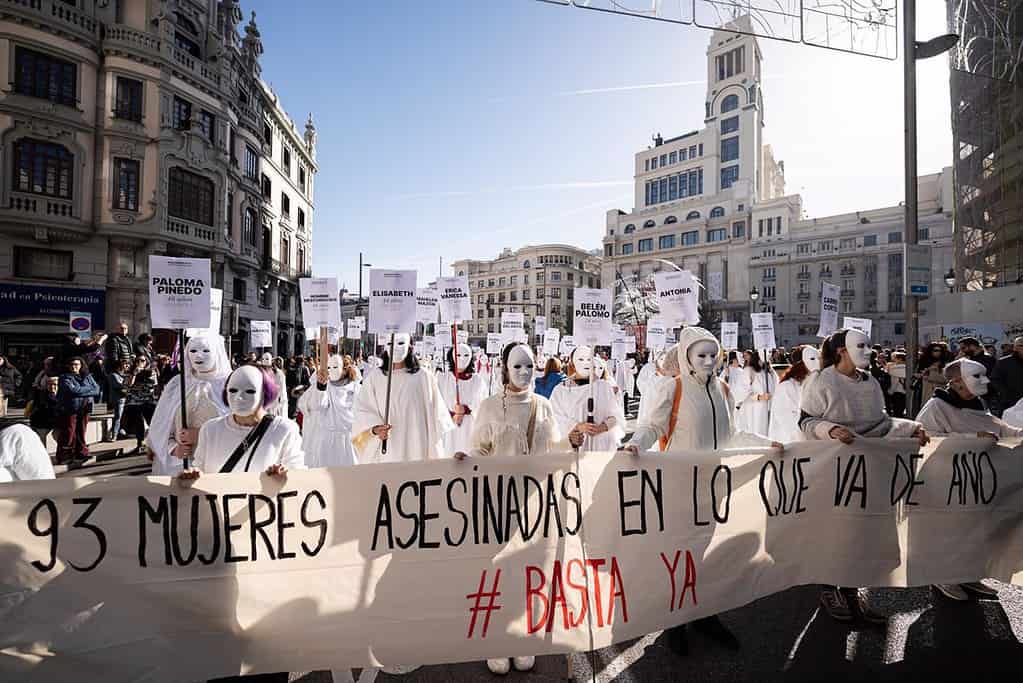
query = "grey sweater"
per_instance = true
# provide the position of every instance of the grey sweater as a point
(856, 403)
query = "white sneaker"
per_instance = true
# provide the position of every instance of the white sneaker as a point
(952, 591)
(523, 663)
(499, 666)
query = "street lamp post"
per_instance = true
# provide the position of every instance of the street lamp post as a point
(950, 280)
(754, 294)
(358, 302)
(912, 51)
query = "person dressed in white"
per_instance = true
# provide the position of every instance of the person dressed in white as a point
(784, 425)
(517, 421)
(328, 412)
(463, 404)
(206, 369)
(22, 455)
(418, 419)
(732, 374)
(1014, 415)
(753, 394)
(280, 407)
(844, 402)
(647, 374)
(704, 421)
(959, 409)
(248, 439)
(602, 420)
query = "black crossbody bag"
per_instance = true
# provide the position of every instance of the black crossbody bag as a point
(249, 443)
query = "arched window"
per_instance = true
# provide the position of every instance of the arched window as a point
(670, 219)
(249, 227)
(729, 103)
(525, 264)
(649, 224)
(190, 197)
(693, 215)
(717, 212)
(630, 228)
(461, 273)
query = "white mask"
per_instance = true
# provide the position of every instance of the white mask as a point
(975, 377)
(402, 343)
(266, 360)
(703, 357)
(463, 354)
(335, 368)
(520, 368)
(582, 359)
(245, 390)
(811, 359)
(857, 345)
(200, 355)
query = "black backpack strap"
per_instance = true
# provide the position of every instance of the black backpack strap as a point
(251, 440)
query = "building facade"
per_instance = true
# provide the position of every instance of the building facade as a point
(138, 128)
(535, 280)
(712, 201)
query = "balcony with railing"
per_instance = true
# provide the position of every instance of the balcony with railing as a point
(190, 232)
(195, 66)
(769, 277)
(29, 205)
(121, 37)
(54, 15)
(825, 273)
(848, 293)
(848, 271)
(803, 296)
(803, 275)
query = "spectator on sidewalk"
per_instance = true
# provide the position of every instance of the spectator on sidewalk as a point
(75, 395)
(116, 395)
(144, 347)
(297, 381)
(969, 347)
(140, 401)
(10, 381)
(897, 394)
(1008, 377)
(118, 346)
(164, 372)
(43, 416)
(930, 370)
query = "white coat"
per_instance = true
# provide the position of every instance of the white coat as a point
(502, 425)
(570, 402)
(784, 426)
(218, 439)
(754, 414)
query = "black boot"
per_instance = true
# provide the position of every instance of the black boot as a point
(716, 631)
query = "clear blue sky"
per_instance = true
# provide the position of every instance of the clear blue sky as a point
(455, 128)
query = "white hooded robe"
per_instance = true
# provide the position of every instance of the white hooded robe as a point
(327, 417)
(471, 392)
(570, 402)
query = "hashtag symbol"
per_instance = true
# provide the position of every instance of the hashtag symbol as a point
(479, 597)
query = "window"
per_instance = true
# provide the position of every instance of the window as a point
(571, 276)
(646, 245)
(268, 134)
(824, 246)
(803, 310)
(895, 237)
(804, 287)
(870, 240)
(43, 168)
(556, 276)
(285, 249)
(666, 242)
(525, 264)
(41, 75)
(284, 302)
(672, 187)
(848, 284)
(760, 227)
(301, 219)
(692, 151)
(717, 212)
(653, 164)
(128, 99)
(186, 35)
(690, 238)
(267, 188)
(770, 292)
(729, 149)
(729, 125)
(208, 125)
(43, 264)
(717, 235)
(924, 233)
(230, 214)
(286, 160)
(847, 306)
(649, 224)
(525, 295)
(513, 295)
(126, 192)
(900, 329)
(729, 175)
(251, 163)
(803, 248)
(739, 229)
(626, 248)
(664, 160)
(555, 292)
(670, 219)
(301, 178)
(777, 223)
(693, 215)
(770, 227)
(730, 103)
(249, 227)
(682, 154)
(500, 297)
(285, 205)
(190, 197)
(847, 243)
(539, 292)
(673, 158)
(182, 114)
(646, 165)
(770, 273)
(238, 291)
(502, 282)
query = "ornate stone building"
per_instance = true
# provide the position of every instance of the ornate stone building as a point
(138, 128)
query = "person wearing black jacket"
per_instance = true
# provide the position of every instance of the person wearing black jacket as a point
(297, 380)
(117, 347)
(1007, 377)
(10, 380)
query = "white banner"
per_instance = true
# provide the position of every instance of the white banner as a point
(763, 331)
(179, 292)
(656, 335)
(455, 305)
(678, 297)
(260, 334)
(320, 305)
(426, 305)
(592, 317)
(715, 286)
(829, 309)
(730, 336)
(356, 326)
(551, 338)
(392, 301)
(864, 325)
(132, 578)
(566, 345)
(539, 325)
(216, 311)
(494, 343)
(512, 327)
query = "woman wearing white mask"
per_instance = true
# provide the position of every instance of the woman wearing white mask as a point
(206, 369)
(463, 403)
(517, 421)
(418, 419)
(753, 393)
(784, 425)
(592, 409)
(328, 412)
(844, 402)
(280, 406)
